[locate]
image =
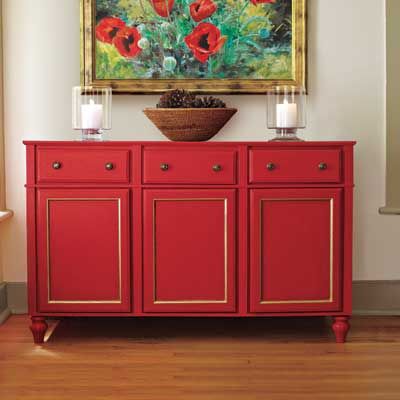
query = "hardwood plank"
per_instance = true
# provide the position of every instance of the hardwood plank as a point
(185, 359)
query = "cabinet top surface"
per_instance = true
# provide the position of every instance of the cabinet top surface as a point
(183, 144)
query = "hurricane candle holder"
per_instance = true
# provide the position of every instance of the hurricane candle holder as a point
(91, 111)
(286, 111)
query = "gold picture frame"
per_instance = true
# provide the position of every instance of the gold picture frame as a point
(215, 85)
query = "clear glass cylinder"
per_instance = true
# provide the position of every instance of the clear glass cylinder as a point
(286, 111)
(91, 111)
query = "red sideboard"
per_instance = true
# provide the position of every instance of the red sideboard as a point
(241, 229)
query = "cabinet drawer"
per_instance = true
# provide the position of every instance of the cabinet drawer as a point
(82, 165)
(295, 166)
(189, 166)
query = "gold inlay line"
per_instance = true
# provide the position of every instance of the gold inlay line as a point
(116, 301)
(225, 300)
(331, 222)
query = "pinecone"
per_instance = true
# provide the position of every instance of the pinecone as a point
(212, 102)
(189, 100)
(180, 98)
(177, 98)
(198, 103)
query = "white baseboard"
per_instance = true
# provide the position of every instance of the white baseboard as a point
(4, 310)
(4, 315)
(17, 297)
(376, 298)
(369, 298)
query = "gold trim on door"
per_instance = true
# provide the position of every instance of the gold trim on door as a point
(117, 301)
(225, 300)
(330, 299)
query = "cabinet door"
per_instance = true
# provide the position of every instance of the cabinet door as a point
(189, 250)
(295, 250)
(83, 250)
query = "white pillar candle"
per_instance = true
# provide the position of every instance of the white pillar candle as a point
(92, 115)
(286, 115)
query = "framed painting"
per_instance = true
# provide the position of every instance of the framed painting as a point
(218, 46)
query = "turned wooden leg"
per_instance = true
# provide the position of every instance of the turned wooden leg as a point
(38, 328)
(340, 328)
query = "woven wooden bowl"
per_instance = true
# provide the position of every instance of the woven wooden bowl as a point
(189, 124)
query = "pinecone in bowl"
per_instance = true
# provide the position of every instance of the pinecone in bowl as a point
(177, 98)
(208, 102)
(184, 117)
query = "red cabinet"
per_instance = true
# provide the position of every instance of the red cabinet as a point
(78, 165)
(295, 250)
(83, 250)
(189, 229)
(191, 166)
(189, 250)
(294, 165)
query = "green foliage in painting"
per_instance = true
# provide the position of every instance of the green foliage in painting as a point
(194, 39)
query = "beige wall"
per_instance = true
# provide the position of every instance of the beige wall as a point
(346, 101)
(2, 175)
(393, 103)
(2, 195)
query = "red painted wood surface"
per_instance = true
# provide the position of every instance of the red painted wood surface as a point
(189, 166)
(79, 165)
(295, 250)
(294, 165)
(38, 328)
(83, 250)
(340, 328)
(189, 247)
(189, 250)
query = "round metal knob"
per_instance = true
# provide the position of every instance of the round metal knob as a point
(217, 168)
(164, 167)
(109, 166)
(322, 166)
(271, 166)
(56, 165)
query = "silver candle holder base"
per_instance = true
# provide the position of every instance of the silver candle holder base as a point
(286, 135)
(92, 135)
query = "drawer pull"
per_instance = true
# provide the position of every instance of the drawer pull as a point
(56, 165)
(164, 167)
(217, 168)
(323, 166)
(109, 166)
(271, 166)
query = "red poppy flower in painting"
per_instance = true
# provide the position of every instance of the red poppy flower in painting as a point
(126, 42)
(163, 7)
(255, 2)
(202, 9)
(204, 41)
(107, 29)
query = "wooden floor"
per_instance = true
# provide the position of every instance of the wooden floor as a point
(185, 359)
